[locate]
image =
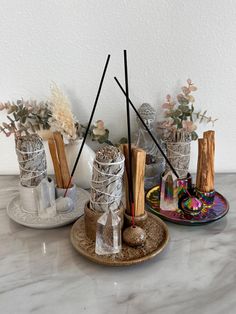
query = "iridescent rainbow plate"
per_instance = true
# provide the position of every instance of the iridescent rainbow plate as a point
(218, 210)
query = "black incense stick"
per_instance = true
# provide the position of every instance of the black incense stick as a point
(130, 172)
(89, 124)
(149, 132)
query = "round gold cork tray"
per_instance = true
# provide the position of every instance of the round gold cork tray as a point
(157, 239)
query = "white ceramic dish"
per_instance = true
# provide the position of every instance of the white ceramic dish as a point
(17, 213)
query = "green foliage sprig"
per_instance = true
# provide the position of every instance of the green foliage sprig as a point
(25, 117)
(182, 117)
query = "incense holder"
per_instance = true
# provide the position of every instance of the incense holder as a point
(134, 236)
(218, 210)
(207, 198)
(157, 239)
(91, 217)
(138, 220)
(17, 213)
(191, 206)
(71, 193)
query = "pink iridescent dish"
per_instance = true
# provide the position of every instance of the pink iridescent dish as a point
(218, 210)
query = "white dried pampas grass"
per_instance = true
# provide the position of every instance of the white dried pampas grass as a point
(62, 119)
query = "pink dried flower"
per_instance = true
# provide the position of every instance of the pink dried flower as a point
(169, 104)
(186, 90)
(192, 88)
(189, 126)
(166, 124)
(189, 81)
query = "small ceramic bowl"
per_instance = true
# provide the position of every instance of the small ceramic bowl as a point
(71, 193)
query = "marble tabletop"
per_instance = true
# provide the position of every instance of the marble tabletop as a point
(40, 272)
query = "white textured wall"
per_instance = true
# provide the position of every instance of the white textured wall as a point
(167, 42)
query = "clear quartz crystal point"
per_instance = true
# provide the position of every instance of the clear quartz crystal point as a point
(108, 234)
(46, 199)
(169, 192)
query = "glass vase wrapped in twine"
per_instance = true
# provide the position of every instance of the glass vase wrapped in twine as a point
(31, 158)
(107, 179)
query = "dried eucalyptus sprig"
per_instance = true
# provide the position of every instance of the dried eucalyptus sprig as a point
(182, 117)
(25, 117)
(201, 116)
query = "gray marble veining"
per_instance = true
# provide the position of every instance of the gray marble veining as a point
(40, 272)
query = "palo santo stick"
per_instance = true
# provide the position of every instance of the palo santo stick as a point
(139, 160)
(124, 148)
(210, 138)
(202, 164)
(198, 176)
(62, 159)
(56, 165)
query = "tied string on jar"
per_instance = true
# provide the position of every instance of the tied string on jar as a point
(107, 179)
(32, 159)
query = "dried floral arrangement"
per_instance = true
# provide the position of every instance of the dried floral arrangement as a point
(62, 119)
(180, 119)
(29, 116)
(25, 117)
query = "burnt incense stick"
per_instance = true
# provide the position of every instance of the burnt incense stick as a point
(89, 124)
(130, 172)
(149, 132)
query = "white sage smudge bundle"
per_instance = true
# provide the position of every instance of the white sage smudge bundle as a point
(32, 159)
(178, 151)
(107, 179)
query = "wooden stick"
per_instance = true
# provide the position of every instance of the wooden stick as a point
(124, 148)
(199, 161)
(139, 161)
(56, 165)
(210, 138)
(202, 164)
(65, 173)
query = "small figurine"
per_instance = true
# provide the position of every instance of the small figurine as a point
(154, 160)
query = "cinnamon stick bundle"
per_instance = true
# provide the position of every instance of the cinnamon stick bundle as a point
(205, 167)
